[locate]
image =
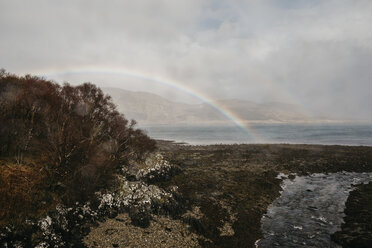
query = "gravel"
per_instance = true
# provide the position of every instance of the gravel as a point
(162, 232)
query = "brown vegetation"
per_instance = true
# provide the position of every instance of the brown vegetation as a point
(74, 137)
(21, 187)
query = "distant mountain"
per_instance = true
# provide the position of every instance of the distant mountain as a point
(148, 108)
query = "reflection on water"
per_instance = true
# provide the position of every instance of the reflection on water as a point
(309, 210)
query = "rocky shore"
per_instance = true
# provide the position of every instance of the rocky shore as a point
(233, 185)
(190, 196)
(357, 229)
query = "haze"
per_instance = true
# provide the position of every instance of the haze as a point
(315, 54)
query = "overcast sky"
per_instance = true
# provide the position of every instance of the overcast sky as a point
(314, 53)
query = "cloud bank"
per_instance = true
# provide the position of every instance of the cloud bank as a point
(309, 52)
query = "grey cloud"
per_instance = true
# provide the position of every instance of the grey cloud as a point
(314, 53)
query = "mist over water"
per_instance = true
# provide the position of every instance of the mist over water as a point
(328, 134)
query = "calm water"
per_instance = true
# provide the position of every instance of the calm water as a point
(340, 134)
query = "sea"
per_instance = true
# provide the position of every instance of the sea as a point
(326, 134)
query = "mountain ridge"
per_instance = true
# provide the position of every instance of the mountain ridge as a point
(149, 108)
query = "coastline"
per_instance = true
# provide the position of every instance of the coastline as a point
(263, 122)
(224, 190)
(317, 134)
(206, 195)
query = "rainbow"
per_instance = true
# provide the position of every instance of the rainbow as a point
(230, 115)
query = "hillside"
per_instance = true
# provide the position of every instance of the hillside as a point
(59, 146)
(148, 108)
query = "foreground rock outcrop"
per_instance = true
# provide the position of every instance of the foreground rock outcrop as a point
(65, 226)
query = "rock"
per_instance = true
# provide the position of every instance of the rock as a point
(112, 213)
(139, 216)
(131, 172)
(135, 194)
(154, 169)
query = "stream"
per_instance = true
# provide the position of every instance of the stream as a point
(309, 210)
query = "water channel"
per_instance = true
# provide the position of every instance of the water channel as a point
(309, 210)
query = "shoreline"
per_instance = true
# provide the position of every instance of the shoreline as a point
(207, 195)
(225, 190)
(185, 143)
(265, 122)
(239, 180)
(327, 134)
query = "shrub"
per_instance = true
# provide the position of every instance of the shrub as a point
(75, 134)
(22, 192)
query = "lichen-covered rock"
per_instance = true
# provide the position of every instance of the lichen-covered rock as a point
(135, 195)
(154, 169)
(141, 200)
